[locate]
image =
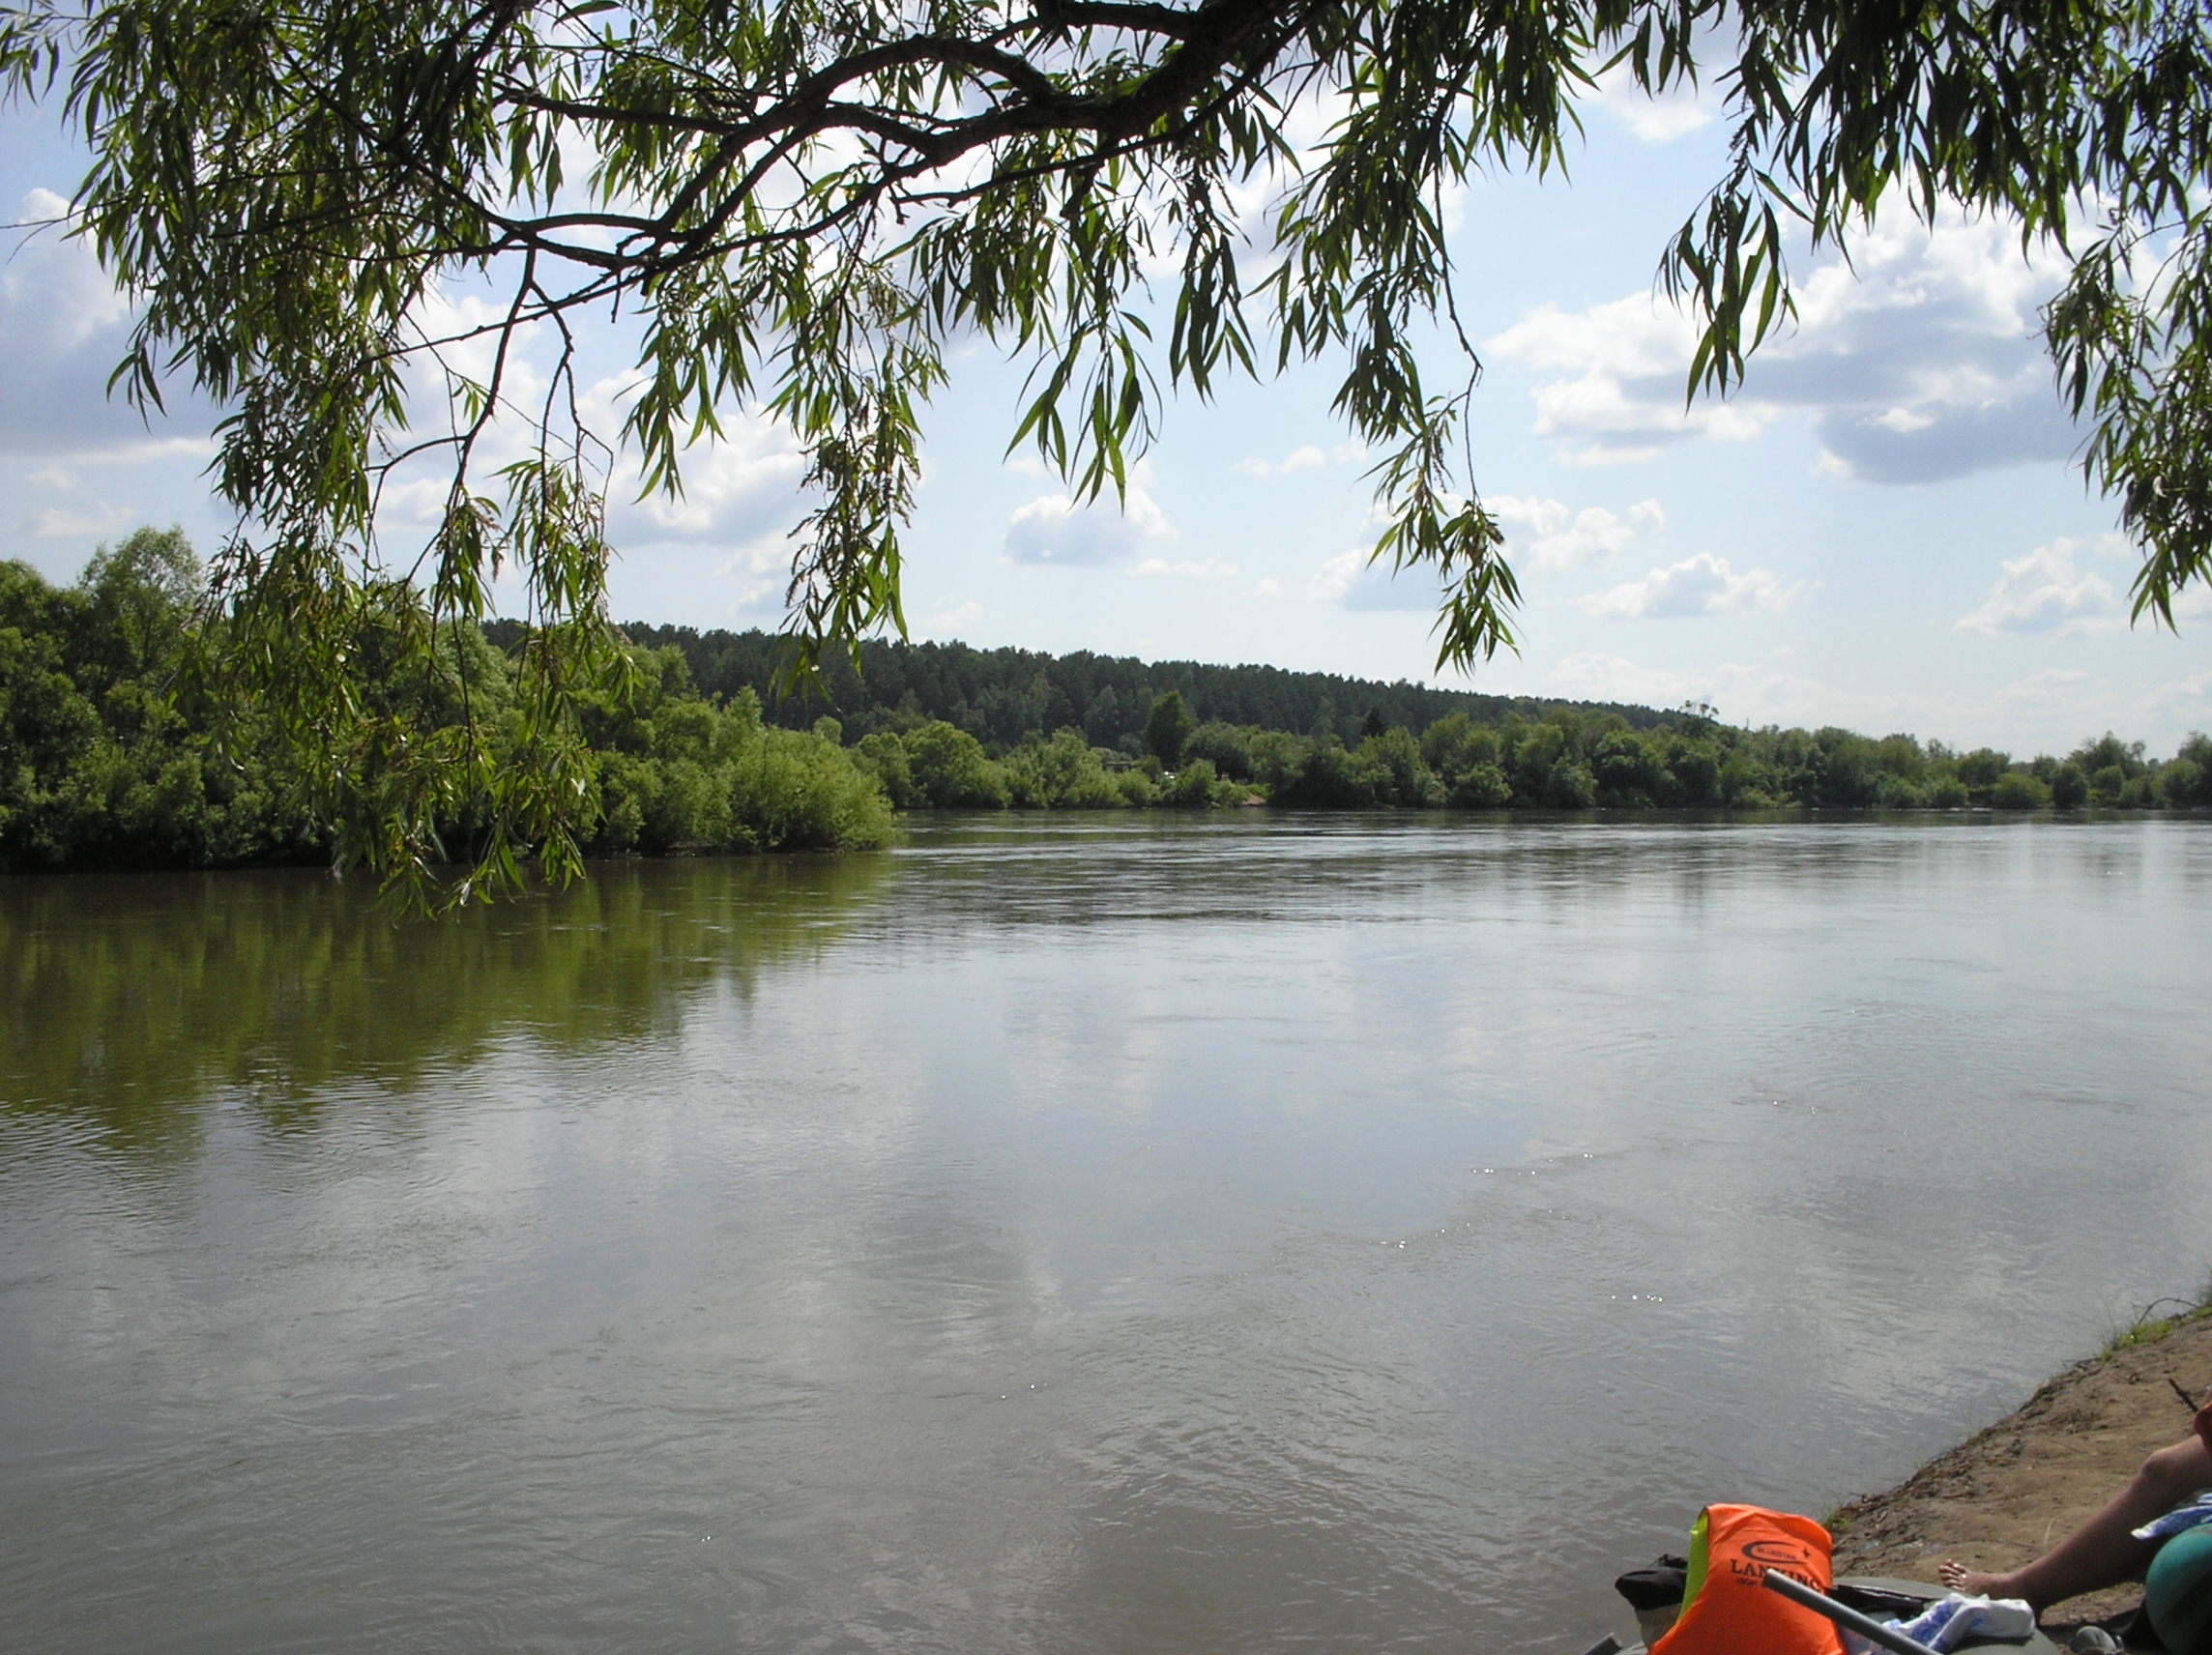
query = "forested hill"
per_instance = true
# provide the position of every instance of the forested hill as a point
(1000, 696)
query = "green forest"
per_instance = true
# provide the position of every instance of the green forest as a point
(118, 750)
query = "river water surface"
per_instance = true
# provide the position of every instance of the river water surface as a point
(1249, 1234)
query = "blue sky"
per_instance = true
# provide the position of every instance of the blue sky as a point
(1883, 530)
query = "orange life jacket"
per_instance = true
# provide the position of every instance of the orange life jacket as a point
(1725, 1609)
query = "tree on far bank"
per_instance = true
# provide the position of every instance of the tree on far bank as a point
(1168, 729)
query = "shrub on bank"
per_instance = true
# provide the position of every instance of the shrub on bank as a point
(950, 771)
(1064, 774)
(110, 756)
(798, 791)
(677, 774)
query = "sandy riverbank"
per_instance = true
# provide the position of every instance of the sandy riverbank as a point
(2002, 1497)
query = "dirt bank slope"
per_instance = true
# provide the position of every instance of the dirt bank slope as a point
(2001, 1497)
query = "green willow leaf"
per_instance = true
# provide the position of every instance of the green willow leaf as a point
(807, 206)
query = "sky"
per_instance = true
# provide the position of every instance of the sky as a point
(1886, 529)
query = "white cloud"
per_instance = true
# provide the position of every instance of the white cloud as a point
(741, 491)
(744, 488)
(1655, 119)
(2186, 700)
(1334, 578)
(1703, 585)
(1597, 677)
(79, 520)
(57, 524)
(77, 301)
(1917, 364)
(1554, 538)
(1354, 580)
(1625, 337)
(1054, 528)
(1747, 693)
(2046, 711)
(2058, 708)
(2048, 592)
(63, 328)
(2053, 686)
(944, 623)
(1305, 458)
(2064, 706)
(1610, 381)
(1189, 569)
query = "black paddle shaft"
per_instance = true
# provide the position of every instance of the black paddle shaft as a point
(1866, 1626)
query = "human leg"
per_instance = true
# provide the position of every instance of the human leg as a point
(2104, 1550)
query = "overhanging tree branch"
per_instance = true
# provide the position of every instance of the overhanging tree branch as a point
(801, 201)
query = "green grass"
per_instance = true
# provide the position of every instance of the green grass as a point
(2156, 1320)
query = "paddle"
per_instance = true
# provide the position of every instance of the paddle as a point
(1866, 1626)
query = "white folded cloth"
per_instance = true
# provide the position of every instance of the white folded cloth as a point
(1950, 1619)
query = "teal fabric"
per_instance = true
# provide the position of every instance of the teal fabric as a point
(2177, 1593)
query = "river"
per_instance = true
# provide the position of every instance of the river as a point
(1239, 1234)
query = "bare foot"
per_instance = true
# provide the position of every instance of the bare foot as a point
(1958, 1578)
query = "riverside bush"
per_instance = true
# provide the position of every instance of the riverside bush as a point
(1064, 774)
(114, 754)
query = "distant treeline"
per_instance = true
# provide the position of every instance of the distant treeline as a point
(115, 753)
(1003, 696)
(1567, 759)
(1318, 739)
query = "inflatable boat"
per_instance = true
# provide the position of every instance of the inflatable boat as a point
(1875, 1598)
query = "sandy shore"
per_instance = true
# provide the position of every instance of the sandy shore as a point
(2002, 1497)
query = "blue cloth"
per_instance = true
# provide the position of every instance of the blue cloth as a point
(2197, 1513)
(1949, 1621)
